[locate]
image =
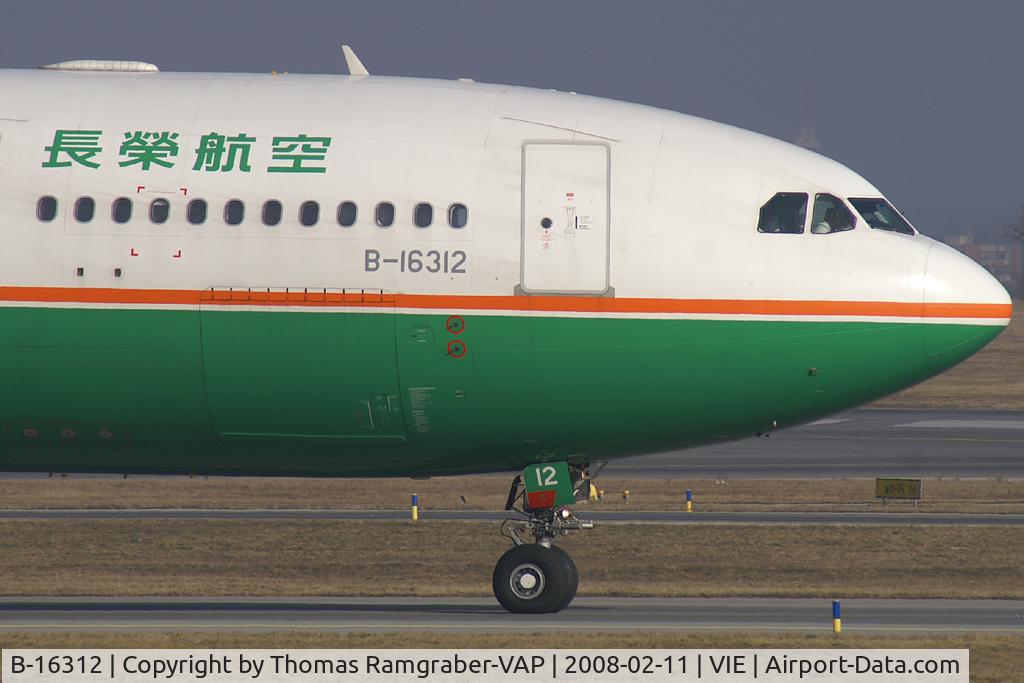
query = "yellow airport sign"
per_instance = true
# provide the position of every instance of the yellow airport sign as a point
(909, 489)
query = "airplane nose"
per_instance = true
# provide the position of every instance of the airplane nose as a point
(966, 307)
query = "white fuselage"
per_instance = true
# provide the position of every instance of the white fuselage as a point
(683, 193)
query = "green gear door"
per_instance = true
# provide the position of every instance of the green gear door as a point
(298, 368)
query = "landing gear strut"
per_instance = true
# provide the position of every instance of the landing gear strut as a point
(538, 577)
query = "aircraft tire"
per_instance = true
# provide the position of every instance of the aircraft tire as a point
(572, 572)
(531, 579)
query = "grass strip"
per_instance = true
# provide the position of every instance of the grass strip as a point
(488, 493)
(318, 557)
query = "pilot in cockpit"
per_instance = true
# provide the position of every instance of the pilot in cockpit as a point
(831, 223)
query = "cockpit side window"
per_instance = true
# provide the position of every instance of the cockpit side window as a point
(831, 215)
(786, 212)
(880, 215)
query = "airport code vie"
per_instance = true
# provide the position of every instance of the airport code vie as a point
(319, 666)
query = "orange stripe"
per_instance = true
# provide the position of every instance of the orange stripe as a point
(97, 295)
(570, 304)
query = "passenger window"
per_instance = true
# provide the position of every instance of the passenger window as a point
(121, 210)
(786, 212)
(831, 215)
(423, 215)
(347, 214)
(234, 212)
(385, 214)
(271, 213)
(458, 215)
(196, 211)
(159, 211)
(46, 209)
(85, 209)
(309, 214)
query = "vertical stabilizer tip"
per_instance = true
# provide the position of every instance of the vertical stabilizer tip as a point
(355, 67)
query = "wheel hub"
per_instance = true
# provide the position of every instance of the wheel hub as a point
(527, 581)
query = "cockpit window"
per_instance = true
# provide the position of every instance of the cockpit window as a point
(831, 215)
(784, 213)
(880, 215)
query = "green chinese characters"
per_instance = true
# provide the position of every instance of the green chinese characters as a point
(146, 149)
(222, 153)
(74, 146)
(298, 150)
(216, 152)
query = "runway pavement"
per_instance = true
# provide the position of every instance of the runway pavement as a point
(864, 442)
(484, 615)
(604, 517)
(857, 443)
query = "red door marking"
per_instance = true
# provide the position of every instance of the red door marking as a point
(177, 255)
(134, 253)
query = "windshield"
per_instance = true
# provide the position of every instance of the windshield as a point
(830, 215)
(785, 212)
(880, 215)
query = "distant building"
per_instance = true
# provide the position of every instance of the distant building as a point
(808, 138)
(959, 241)
(1004, 261)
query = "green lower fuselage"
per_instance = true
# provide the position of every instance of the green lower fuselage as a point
(376, 394)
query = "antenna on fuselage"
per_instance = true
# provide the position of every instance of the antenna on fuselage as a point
(355, 67)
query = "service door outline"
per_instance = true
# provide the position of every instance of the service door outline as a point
(275, 373)
(569, 184)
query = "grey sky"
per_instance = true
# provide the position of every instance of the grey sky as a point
(924, 98)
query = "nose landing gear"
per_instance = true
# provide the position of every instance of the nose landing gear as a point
(538, 577)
